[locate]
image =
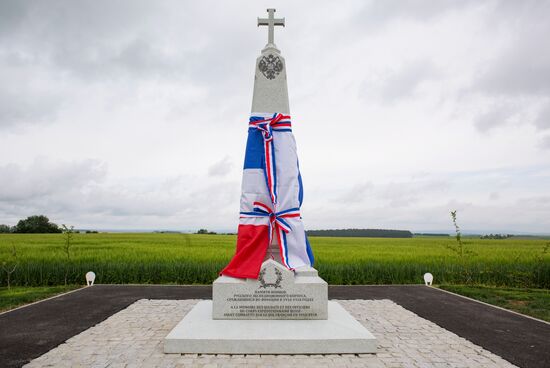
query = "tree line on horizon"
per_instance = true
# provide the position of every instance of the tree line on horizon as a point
(38, 224)
(362, 233)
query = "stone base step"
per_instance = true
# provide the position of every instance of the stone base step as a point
(199, 333)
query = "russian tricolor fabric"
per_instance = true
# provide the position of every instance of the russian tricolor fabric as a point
(272, 195)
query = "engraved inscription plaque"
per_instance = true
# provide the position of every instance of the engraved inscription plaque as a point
(277, 294)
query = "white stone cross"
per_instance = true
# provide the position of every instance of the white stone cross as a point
(271, 22)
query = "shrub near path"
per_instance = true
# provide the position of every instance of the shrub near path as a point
(197, 259)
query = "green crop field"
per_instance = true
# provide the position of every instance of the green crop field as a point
(197, 259)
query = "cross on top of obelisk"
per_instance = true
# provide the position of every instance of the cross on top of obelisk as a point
(271, 22)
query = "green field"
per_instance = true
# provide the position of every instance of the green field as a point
(197, 259)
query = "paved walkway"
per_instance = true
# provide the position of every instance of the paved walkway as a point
(29, 332)
(134, 338)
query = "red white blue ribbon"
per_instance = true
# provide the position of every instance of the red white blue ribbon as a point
(276, 223)
(278, 122)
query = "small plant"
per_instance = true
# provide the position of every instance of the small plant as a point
(542, 255)
(459, 247)
(10, 265)
(460, 250)
(68, 232)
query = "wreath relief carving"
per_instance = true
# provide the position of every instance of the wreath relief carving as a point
(276, 284)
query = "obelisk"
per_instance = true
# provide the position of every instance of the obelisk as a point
(270, 220)
(270, 88)
(280, 305)
(273, 259)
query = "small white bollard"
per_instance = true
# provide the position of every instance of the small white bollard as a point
(90, 278)
(428, 279)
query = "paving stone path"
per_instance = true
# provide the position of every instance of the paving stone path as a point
(134, 336)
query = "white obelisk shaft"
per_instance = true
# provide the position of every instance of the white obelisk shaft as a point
(271, 91)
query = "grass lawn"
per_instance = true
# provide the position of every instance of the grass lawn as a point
(532, 302)
(19, 295)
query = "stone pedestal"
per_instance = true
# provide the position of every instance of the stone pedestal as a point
(277, 294)
(283, 312)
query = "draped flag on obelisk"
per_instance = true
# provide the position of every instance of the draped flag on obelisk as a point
(272, 191)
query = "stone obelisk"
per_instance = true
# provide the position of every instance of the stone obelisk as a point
(270, 88)
(284, 311)
(278, 293)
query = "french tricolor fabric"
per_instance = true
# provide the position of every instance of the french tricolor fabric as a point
(272, 195)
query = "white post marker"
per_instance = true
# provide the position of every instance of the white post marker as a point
(90, 278)
(428, 279)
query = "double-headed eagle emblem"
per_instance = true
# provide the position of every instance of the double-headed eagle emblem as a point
(270, 66)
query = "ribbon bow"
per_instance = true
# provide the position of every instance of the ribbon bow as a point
(276, 222)
(266, 126)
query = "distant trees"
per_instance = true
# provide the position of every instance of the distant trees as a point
(5, 229)
(36, 224)
(204, 231)
(496, 236)
(362, 233)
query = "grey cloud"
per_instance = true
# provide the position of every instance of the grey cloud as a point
(521, 70)
(138, 57)
(88, 40)
(118, 202)
(77, 191)
(191, 200)
(89, 45)
(221, 168)
(374, 13)
(545, 142)
(213, 197)
(106, 40)
(403, 194)
(524, 65)
(403, 82)
(27, 106)
(542, 121)
(493, 118)
(396, 194)
(11, 13)
(45, 178)
(536, 203)
(358, 193)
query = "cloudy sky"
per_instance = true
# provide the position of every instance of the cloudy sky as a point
(133, 114)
